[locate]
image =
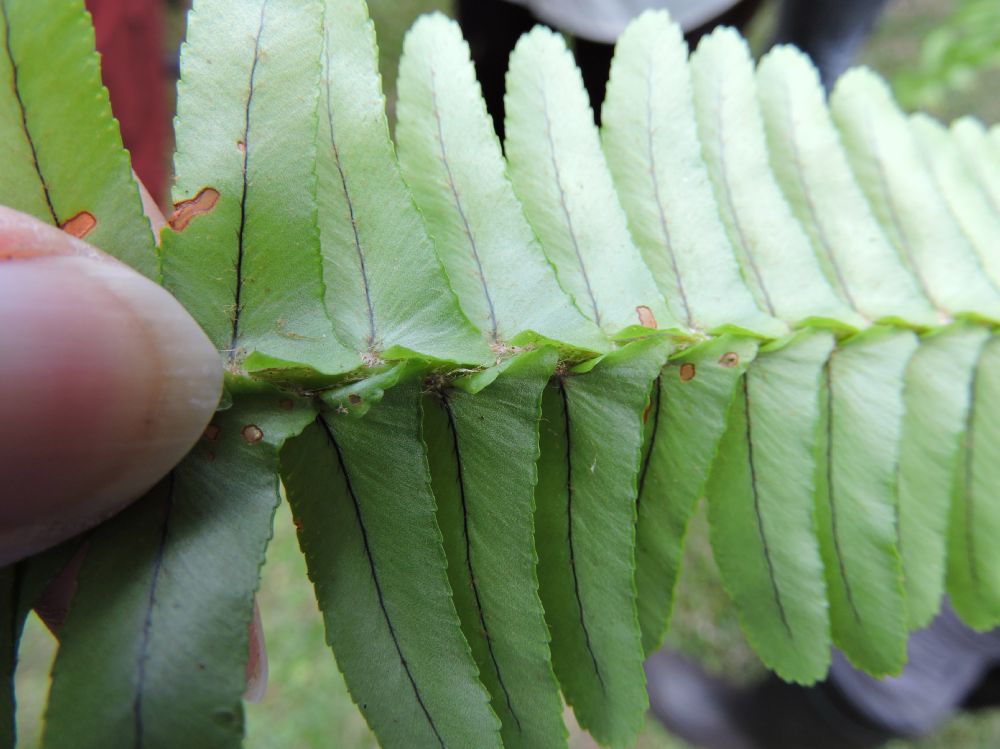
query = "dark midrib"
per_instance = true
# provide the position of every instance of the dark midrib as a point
(147, 623)
(565, 209)
(569, 533)
(831, 254)
(347, 198)
(238, 307)
(756, 509)
(834, 528)
(732, 207)
(375, 578)
(24, 114)
(664, 229)
(461, 210)
(474, 583)
(657, 389)
(968, 472)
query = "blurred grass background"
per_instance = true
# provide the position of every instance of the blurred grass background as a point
(942, 56)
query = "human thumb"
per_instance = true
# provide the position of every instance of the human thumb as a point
(105, 383)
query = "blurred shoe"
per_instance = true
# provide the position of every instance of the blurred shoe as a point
(709, 712)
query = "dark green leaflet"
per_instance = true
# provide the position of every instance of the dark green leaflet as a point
(761, 508)
(973, 554)
(857, 461)
(51, 169)
(249, 269)
(385, 289)
(485, 501)
(360, 492)
(164, 597)
(585, 535)
(686, 419)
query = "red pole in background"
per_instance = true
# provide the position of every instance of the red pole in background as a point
(130, 40)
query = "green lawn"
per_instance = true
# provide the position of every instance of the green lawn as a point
(307, 705)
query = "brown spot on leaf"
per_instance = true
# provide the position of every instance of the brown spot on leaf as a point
(354, 399)
(286, 404)
(252, 433)
(729, 359)
(79, 225)
(687, 371)
(188, 210)
(645, 414)
(210, 456)
(242, 147)
(212, 432)
(646, 318)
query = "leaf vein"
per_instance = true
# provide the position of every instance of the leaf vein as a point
(443, 155)
(24, 114)
(569, 533)
(348, 199)
(565, 208)
(147, 623)
(831, 494)
(241, 229)
(474, 582)
(756, 509)
(375, 576)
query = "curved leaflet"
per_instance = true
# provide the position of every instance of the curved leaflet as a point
(451, 159)
(585, 535)
(761, 513)
(164, 597)
(773, 250)
(684, 423)
(856, 477)
(52, 169)
(936, 397)
(811, 167)
(559, 173)
(360, 493)
(485, 508)
(386, 292)
(249, 269)
(651, 143)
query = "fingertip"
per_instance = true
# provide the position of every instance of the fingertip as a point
(106, 381)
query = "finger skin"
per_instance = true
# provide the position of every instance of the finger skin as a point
(105, 383)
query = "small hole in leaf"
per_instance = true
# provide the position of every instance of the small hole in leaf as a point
(729, 359)
(252, 433)
(79, 225)
(212, 432)
(646, 318)
(687, 371)
(242, 147)
(188, 210)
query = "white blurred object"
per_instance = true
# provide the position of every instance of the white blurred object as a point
(605, 20)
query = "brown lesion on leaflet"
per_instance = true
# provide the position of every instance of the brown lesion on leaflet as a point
(646, 318)
(79, 225)
(187, 211)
